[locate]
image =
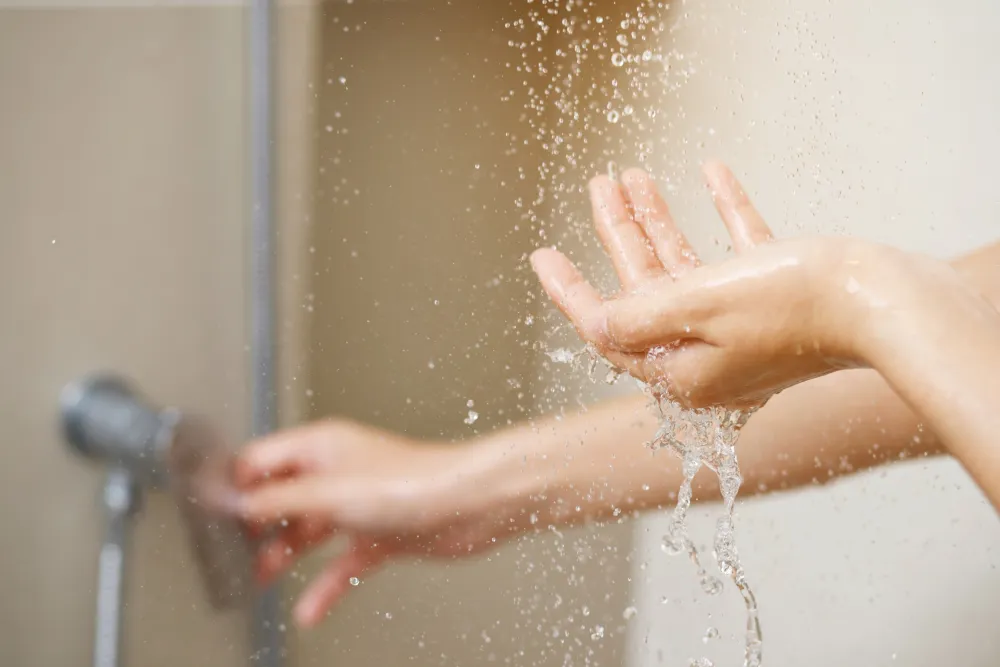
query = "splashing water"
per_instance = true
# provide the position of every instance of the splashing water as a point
(593, 77)
(701, 438)
(707, 438)
(579, 116)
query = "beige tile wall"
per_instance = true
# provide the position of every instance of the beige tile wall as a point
(121, 247)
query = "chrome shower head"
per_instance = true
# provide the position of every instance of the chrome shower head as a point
(105, 419)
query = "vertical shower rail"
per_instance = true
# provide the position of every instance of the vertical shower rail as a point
(268, 649)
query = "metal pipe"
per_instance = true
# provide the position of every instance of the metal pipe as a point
(120, 499)
(265, 632)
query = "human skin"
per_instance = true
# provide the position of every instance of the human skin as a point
(398, 497)
(736, 333)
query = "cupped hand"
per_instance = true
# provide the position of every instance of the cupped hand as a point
(732, 333)
(387, 494)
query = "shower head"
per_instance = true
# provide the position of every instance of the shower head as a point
(103, 418)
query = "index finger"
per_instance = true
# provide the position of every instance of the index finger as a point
(624, 240)
(275, 456)
(300, 498)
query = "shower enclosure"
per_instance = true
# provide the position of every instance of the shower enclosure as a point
(268, 215)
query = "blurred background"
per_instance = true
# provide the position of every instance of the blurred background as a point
(422, 148)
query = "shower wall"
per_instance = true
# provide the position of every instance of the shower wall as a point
(876, 120)
(122, 217)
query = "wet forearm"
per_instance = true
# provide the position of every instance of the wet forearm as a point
(596, 465)
(938, 345)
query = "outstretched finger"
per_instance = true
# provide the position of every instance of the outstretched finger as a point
(572, 294)
(746, 226)
(624, 240)
(653, 215)
(301, 497)
(336, 579)
(279, 455)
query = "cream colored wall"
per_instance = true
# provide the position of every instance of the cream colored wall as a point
(872, 119)
(121, 247)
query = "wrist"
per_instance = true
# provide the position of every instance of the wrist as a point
(905, 309)
(872, 287)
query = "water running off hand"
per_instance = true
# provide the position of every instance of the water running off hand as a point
(700, 438)
(707, 438)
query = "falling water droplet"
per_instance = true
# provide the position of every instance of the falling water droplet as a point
(711, 585)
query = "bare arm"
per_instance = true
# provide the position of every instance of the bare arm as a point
(394, 496)
(939, 348)
(593, 465)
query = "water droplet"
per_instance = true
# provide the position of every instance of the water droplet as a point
(711, 633)
(711, 585)
(598, 633)
(617, 59)
(354, 581)
(613, 170)
(613, 116)
(672, 545)
(472, 417)
(561, 356)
